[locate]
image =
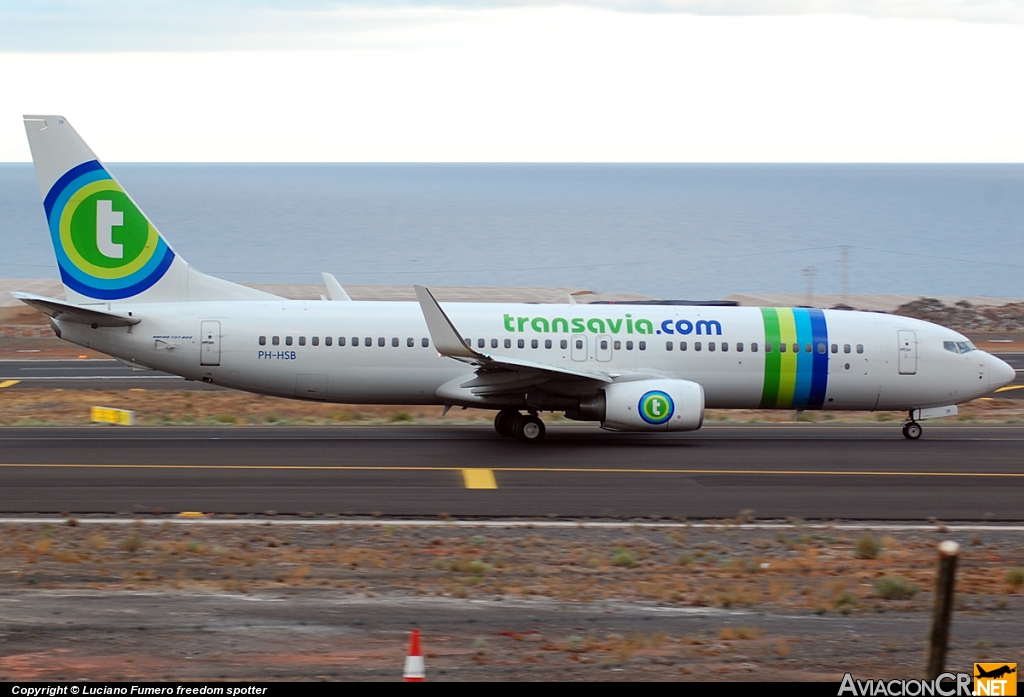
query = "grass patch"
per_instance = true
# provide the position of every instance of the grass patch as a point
(226, 419)
(1015, 577)
(624, 558)
(867, 547)
(401, 416)
(895, 588)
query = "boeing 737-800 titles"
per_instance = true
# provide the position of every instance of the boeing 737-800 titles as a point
(627, 367)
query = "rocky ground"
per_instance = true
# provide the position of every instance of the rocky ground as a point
(266, 600)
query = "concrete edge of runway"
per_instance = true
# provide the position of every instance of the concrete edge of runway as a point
(497, 523)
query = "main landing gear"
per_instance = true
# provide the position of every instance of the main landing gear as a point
(525, 428)
(911, 430)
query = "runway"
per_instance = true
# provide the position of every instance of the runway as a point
(808, 471)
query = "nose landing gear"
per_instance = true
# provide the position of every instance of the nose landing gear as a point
(525, 428)
(911, 430)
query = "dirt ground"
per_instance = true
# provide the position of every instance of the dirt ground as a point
(264, 601)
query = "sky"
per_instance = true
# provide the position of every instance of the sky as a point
(520, 81)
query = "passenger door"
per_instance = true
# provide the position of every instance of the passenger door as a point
(604, 347)
(908, 352)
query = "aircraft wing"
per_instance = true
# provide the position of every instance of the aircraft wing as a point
(59, 309)
(449, 343)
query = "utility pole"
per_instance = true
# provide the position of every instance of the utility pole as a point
(809, 276)
(845, 260)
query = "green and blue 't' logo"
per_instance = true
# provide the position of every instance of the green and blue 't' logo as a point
(106, 248)
(656, 407)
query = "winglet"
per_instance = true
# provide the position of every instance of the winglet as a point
(334, 289)
(442, 332)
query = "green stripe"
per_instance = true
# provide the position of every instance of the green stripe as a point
(773, 360)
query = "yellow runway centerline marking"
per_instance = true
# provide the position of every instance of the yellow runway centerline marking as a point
(8, 383)
(479, 479)
(552, 470)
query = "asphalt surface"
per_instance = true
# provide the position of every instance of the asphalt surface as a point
(90, 374)
(808, 471)
(107, 374)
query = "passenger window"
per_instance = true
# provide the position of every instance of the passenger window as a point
(425, 342)
(739, 347)
(394, 342)
(782, 348)
(547, 343)
(494, 343)
(355, 341)
(302, 341)
(668, 345)
(480, 343)
(682, 345)
(643, 345)
(508, 343)
(822, 348)
(521, 343)
(629, 345)
(263, 341)
(276, 341)
(368, 342)
(860, 348)
(564, 344)
(808, 348)
(604, 344)
(617, 345)
(327, 341)
(753, 347)
(534, 343)
(725, 346)
(341, 341)
(287, 341)
(579, 344)
(835, 348)
(696, 346)
(846, 348)
(796, 348)
(410, 342)
(316, 341)
(711, 346)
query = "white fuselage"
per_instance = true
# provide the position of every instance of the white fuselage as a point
(295, 349)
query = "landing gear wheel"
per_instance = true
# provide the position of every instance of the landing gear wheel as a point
(912, 430)
(529, 429)
(505, 422)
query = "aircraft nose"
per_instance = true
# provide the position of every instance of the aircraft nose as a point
(1000, 373)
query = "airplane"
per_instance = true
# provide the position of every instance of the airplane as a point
(627, 367)
(994, 673)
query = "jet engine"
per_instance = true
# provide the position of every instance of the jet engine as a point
(646, 405)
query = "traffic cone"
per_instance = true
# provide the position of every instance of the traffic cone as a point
(414, 668)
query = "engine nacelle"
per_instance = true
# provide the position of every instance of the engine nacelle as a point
(654, 405)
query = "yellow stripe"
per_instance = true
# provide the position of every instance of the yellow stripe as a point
(562, 470)
(787, 371)
(8, 383)
(1001, 389)
(479, 479)
(190, 514)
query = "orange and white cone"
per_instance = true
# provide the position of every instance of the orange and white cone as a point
(414, 668)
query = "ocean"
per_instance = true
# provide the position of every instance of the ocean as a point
(699, 231)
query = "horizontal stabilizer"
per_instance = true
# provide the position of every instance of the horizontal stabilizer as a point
(58, 309)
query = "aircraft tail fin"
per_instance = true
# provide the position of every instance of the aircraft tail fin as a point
(106, 247)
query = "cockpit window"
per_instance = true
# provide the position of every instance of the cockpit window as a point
(959, 346)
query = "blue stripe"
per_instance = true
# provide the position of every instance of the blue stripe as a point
(66, 179)
(118, 293)
(819, 380)
(804, 360)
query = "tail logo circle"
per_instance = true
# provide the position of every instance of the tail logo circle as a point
(106, 247)
(656, 407)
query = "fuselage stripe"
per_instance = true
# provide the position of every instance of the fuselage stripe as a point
(794, 378)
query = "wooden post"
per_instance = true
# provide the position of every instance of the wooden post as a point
(948, 553)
